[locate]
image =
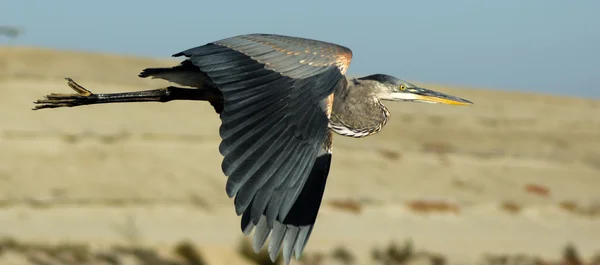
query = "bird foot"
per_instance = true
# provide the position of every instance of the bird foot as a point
(57, 100)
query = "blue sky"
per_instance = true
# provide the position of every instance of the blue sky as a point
(546, 46)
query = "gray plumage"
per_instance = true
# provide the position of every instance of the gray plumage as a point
(357, 111)
(279, 98)
(274, 125)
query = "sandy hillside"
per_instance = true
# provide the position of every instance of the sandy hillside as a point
(513, 173)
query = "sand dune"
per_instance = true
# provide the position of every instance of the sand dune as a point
(516, 172)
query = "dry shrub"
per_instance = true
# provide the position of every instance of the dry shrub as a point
(591, 210)
(188, 252)
(428, 206)
(347, 205)
(389, 154)
(538, 190)
(81, 253)
(568, 206)
(395, 255)
(460, 184)
(441, 148)
(512, 259)
(571, 256)
(343, 254)
(511, 207)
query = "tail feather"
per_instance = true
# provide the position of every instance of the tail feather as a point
(185, 74)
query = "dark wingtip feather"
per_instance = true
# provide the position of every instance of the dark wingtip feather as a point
(293, 233)
(306, 207)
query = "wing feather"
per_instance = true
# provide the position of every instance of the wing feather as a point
(242, 150)
(260, 235)
(244, 162)
(303, 70)
(277, 235)
(219, 58)
(250, 115)
(275, 139)
(232, 138)
(290, 237)
(262, 182)
(228, 65)
(293, 191)
(291, 65)
(255, 176)
(251, 83)
(259, 50)
(224, 79)
(237, 68)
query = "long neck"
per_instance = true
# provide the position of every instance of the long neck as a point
(357, 112)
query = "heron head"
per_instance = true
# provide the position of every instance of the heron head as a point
(387, 87)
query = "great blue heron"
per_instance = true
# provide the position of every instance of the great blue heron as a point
(279, 99)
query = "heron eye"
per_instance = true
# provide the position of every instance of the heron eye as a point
(402, 87)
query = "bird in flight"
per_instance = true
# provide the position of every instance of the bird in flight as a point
(280, 99)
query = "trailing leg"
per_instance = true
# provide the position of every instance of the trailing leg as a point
(86, 97)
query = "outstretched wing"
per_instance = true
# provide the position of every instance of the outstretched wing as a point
(277, 95)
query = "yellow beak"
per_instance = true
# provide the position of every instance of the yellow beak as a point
(430, 96)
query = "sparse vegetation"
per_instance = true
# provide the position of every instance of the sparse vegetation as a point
(568, 206)
(511, 207)
(538, 190)
(347, 205)
(344, 255)
(405, 254)
(440, 148)
(570, 256)
(429, 206)
(188, 252)
(76, 254)
(185, 253)
(389, 154)
(590, 210)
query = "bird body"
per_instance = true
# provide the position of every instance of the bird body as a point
(279, 98)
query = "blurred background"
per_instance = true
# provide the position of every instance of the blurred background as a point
(514, 178)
